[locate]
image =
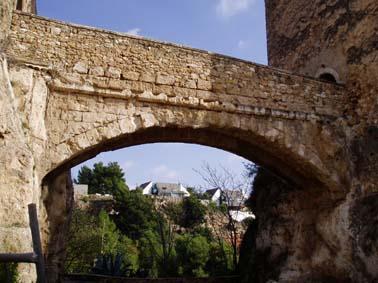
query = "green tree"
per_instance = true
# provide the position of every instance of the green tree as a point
(113, 243)
(92, 237)
(110, 236)
(103, 179)
(8, 272)
(136, 214)
(83, 243)
(166, 238)
(189, 213)
(194, 212)
(192, 255)
(220, 259)
(129, 251)
(148, 262)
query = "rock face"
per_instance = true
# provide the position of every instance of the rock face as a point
(294, 238)
(337, 38)
(18, 179)
(81, 91)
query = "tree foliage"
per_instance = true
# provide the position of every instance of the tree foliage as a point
(192, 255)
(145, 238)
(193, 212)
(84, 242)
(8, 272)
(103, 179)
(234, 189)
(136, 213)
(94, 237)
(189, 213)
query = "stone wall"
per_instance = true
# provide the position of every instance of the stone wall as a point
(6, 11)
(340, 36)
(89, 59)
(18, 180)
(291, 243)
(70, 92)
(89, 65)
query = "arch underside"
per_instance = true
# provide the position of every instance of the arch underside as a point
(208, 137)
(284, 147)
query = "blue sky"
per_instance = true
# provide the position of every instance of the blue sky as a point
(232, 27)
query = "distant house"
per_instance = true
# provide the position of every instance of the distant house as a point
(234, 199)
(231, 198)
(169, 190)
(215, 195)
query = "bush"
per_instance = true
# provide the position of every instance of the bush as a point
(192, 254)
(8, 272)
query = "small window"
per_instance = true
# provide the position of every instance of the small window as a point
(19, 5)
(327, 77)
(328, 74)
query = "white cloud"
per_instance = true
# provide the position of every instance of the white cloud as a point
(242, 44)
(163, 173)
(127, 165)
(134, 31)
(229, 8)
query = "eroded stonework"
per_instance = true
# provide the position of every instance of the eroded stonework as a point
(339, 37)
(70, 92)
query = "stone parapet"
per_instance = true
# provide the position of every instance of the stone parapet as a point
(92, 61)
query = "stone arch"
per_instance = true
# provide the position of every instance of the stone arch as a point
(132, 91)
(280, 146)
(328, 74)
(286, 147)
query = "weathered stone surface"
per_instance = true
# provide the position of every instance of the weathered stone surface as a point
(6, 11)
(339, 37)
(98, 90)
(81, 68)
(18, 180)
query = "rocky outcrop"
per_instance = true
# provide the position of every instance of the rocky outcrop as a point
(300, 236)
(340, 38)
(18, 180)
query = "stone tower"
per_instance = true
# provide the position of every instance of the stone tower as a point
(6, 9)
(337, 40)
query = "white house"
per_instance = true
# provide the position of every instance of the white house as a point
(234, 201)
(170, 190)
(231, 198)
(215, 195)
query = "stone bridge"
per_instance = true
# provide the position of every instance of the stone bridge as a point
(99, 90)
(69, 92)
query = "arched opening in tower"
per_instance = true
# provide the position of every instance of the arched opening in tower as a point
(327, 77)
(19, 5)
